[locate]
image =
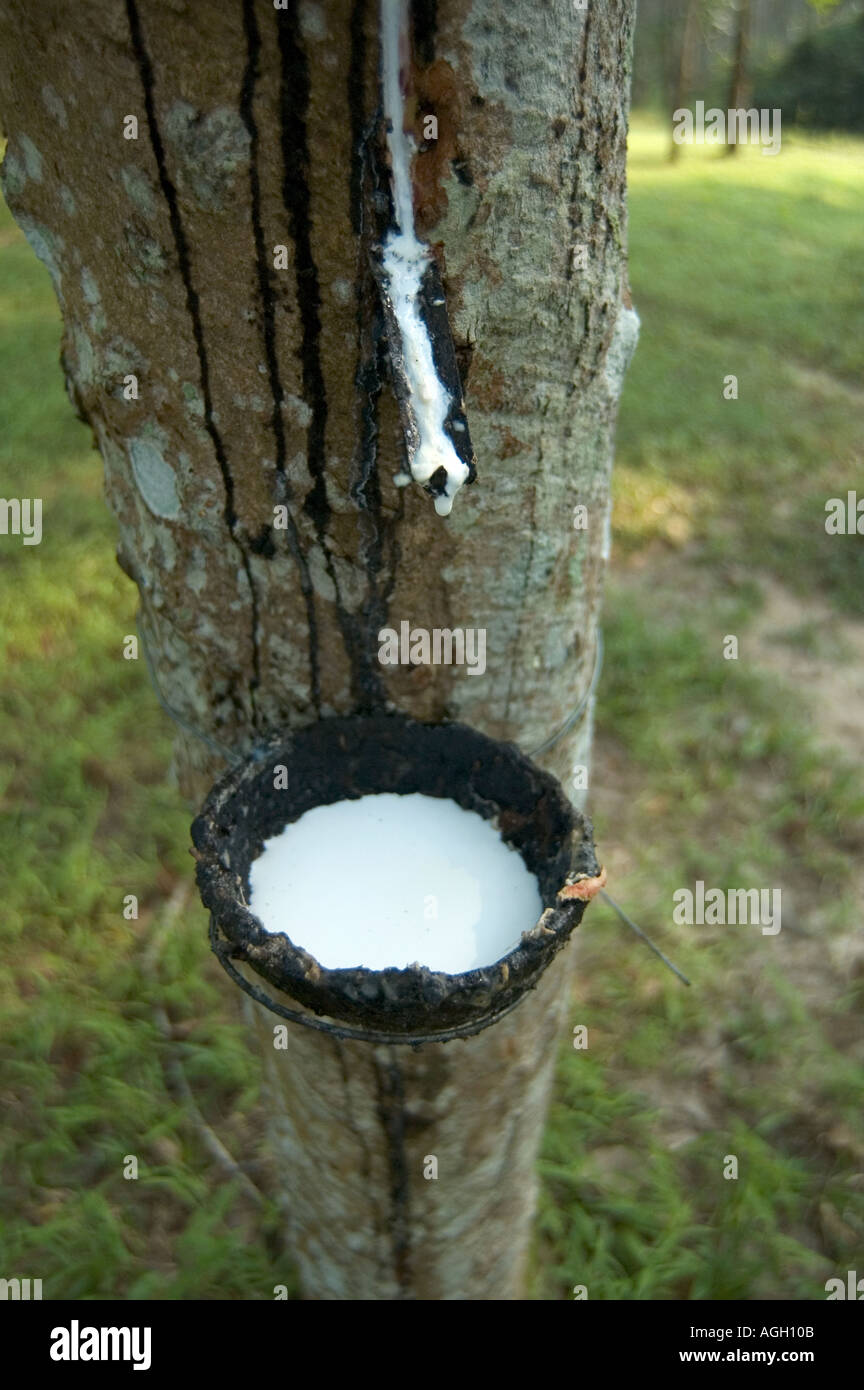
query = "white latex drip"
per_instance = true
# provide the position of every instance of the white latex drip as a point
(404, 263)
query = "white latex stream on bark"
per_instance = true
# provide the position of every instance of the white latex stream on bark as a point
(404, 265)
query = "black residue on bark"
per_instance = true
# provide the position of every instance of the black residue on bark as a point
(391, 1110)
(462, 169)
(265, 287)
(294, 105)
(369, 377)
(377, 532)
(356, 110)
(379, 546)
(365, 491)
(262, 544)
(424, 27)
(145, 70)
(366, 488)
(433, 312)
(268, 305)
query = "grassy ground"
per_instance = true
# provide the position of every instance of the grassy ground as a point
(706, 768)
(727, 771)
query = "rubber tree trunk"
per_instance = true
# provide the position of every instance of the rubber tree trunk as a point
(260, 382)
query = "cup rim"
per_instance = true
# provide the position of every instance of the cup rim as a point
(347, 755)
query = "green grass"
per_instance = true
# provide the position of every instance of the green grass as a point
(705, 769)
(87, 816)
(746, 267)
(713, 769)
(758, 1058)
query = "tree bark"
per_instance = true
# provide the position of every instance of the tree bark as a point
(261, 388)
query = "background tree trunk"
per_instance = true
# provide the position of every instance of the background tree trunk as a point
(259, 387)
(739, 81)
(686, 64)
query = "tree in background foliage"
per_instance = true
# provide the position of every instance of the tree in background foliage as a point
(820, 82)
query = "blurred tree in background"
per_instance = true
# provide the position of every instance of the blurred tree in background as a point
(803, 56)
(820, 81)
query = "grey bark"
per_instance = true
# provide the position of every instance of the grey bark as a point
(260, 387)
